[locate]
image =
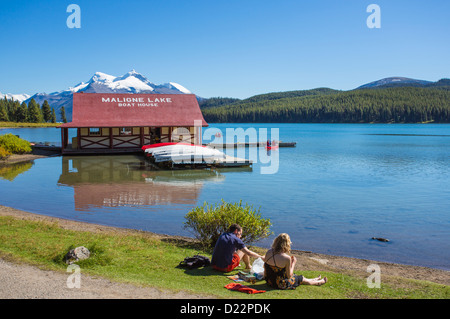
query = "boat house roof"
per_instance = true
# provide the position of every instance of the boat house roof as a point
(132, 110)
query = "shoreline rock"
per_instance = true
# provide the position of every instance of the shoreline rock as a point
(76, 254)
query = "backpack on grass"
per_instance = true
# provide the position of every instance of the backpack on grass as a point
(195, 262)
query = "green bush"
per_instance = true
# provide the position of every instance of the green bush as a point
(4, 153)
(14, 144)
(208, 222)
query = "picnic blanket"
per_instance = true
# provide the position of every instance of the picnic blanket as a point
(235, 278)
(238, 287)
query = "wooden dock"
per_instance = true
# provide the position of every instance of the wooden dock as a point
(230, 161)
(102, 151)
(105, 151)
(248, 144)
(227, 162)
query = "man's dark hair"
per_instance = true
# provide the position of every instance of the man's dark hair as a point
(234, 227)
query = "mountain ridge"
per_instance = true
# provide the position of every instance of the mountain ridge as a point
(134, 82)
(391, 82)
(395, 81)
(399, 104)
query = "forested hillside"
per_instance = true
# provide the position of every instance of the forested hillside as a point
(381, 105)
(13, 111)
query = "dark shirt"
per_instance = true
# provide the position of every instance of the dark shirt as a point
(226, 246)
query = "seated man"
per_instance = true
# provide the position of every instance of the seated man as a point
(230, 249)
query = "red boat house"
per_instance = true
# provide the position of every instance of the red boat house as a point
(118, 123)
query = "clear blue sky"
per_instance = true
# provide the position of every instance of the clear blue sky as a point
(233, 48)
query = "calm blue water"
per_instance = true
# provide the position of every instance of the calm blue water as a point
(340, 186)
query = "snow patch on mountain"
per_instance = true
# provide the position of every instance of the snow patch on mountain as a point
(179, 87)
(15, 97)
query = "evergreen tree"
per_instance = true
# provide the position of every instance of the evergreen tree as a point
(46, 111)
(34, 112)
(3, 113)
(22, 113)
(53, 119)
(12, 107)
(63, 114)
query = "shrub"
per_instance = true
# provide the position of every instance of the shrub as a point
(11, 171)
(4, 153)
(209, 222)
(14, 144)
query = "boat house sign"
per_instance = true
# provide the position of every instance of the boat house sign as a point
(137, 101)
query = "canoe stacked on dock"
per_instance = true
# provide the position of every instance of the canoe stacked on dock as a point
(183, 155)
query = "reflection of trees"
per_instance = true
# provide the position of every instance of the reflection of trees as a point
(11, 171)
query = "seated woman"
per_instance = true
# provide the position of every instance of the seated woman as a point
(279, 266)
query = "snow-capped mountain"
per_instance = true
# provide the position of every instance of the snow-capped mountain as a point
(15, 97)
(131, 82)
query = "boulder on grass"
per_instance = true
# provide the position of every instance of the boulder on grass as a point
(77, 254)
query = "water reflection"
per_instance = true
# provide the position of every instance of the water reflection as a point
(127, 180)
(11, 171)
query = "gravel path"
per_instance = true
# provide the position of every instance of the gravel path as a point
(20, 281)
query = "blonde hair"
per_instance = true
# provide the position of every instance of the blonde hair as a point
(282, 244)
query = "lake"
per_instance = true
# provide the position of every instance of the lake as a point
(340, 186)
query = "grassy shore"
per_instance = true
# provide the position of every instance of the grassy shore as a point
(16, 124)
(151, 260)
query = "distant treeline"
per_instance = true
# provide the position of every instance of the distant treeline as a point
(381, 105)
(14, 111)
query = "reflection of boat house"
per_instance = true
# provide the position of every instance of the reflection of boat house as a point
(117, 123)
(110, 182)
